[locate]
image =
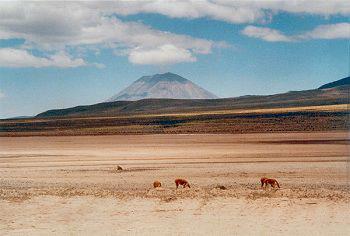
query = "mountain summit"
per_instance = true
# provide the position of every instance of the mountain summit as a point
(166, 85)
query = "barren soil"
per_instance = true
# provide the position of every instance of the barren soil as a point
(70, 185)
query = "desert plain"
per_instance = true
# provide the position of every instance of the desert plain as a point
(70, 185)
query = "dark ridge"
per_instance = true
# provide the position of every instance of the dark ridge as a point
(99, 107)
(341, 82)
(338, 95)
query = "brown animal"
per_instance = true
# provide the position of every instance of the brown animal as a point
(182, 182)
(157, 184)
(119, 168)
(267, 181)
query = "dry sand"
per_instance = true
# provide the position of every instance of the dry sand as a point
(70, 185)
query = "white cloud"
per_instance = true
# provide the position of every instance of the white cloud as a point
(56, 26)
(2, 95)
(53, 26)
(191, 9)
(165, 54)
(265, 33)
(330, 31)
(314, 7)
(244, 11)
(10, 57)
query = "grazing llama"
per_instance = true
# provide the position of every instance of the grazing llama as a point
(182, 182)
(157, 184)
(267, 181)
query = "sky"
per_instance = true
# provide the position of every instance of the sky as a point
(63, 54)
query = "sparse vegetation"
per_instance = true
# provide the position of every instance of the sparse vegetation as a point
(308, 119)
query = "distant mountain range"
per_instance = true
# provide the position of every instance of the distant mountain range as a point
(333, 93)
(20, 117)
(166, 85)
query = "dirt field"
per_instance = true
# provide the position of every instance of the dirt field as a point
(70, 185)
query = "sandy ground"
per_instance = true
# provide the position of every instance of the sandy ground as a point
(70, 185)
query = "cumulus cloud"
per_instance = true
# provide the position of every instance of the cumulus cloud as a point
(191, 9)
(165, 54)
(59, 26)
(10, 57)
(52, 26)
(314, 7)
(330, 31)
(265, 33)
(244, 11)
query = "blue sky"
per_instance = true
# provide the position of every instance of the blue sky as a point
(56, 55)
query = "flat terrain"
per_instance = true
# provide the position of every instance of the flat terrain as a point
(70, 185)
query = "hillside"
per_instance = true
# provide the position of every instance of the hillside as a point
(296, 111)
(158, 106)
(341, 82)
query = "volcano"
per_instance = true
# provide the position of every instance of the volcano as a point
(166, 85)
